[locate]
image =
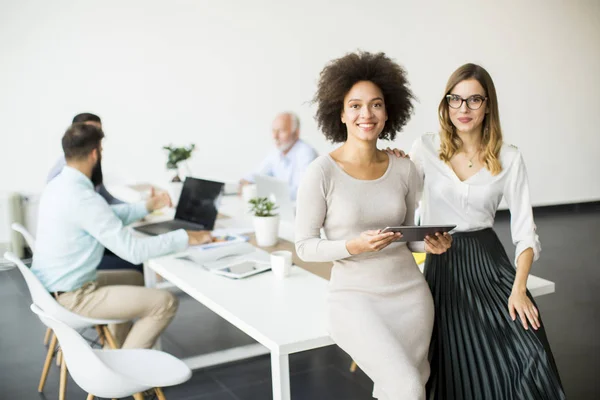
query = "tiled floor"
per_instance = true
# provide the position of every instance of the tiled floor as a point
(570, 256)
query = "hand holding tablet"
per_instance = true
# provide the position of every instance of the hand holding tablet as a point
(417, 233)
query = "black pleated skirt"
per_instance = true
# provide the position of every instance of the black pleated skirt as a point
(477, 350)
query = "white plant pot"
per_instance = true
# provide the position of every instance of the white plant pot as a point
(175, 191)
(266, 230)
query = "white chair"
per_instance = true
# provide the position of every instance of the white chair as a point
(42, 298)
(29, 239)
(115, 373)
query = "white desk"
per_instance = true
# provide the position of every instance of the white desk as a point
(284, 317)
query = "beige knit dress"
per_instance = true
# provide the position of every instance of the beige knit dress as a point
(380, 309)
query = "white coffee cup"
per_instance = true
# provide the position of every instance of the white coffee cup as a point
(281, 263)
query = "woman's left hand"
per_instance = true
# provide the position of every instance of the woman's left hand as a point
(519, 303)
(438, 243)
(396, 152)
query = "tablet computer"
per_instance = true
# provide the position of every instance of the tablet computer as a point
(417, 233)
(242, 269)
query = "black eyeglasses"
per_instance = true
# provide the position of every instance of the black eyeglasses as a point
(473, 102)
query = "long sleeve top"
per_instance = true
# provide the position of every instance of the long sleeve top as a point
(75, 224)
(472, 204)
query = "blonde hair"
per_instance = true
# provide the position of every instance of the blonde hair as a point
(491, 139)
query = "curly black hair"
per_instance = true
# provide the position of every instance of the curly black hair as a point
(338, 77)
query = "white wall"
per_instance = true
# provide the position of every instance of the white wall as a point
(215, 73)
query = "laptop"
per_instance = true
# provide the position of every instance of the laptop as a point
(278, 191)
(196, 211)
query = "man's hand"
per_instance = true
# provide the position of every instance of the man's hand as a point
(198, 237)
(156, 201)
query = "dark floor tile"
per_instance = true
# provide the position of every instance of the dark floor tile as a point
(358, 376)
(321, 383)
(222, 395)
(317, 358)
(243, 373)
(200, 384)
(256, 370)
(226, 395)
(197, 330)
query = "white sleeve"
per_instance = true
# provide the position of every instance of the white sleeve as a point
(265, 168)
(516, 193)
(311, 209)
(411, 205)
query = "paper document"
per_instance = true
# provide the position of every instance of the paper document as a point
(222, 256)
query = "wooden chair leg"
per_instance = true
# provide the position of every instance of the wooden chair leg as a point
(90, 396)
(59, 356)
(159, 394)
(138, 396)
(353, 367)
(109, 338)
(49, 357)
(100, 334)
(62, 390)
(47, 336)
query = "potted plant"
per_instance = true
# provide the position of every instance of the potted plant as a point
(266, 221)
(175, 156)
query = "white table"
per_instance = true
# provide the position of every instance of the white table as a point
(283, 316)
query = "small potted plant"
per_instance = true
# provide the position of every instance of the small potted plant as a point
(266, 221)
(177, 155)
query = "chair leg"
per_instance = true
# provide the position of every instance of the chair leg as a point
(58, 356)
(100, 334)
(159, 394)
(62, 390)
(47, 336)
(353, 367)
(90, 396)
(49, 357)
(109, 338)
(138, 396)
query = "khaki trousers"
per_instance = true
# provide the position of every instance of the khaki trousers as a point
(119, 294)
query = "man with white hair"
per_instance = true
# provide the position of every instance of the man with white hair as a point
(291, 156)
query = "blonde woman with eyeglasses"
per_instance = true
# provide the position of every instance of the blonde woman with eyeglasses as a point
(488, 339)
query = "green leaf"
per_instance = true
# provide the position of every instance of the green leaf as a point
(178, 154)
(262, 207)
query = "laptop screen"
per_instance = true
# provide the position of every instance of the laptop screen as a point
(199, 202)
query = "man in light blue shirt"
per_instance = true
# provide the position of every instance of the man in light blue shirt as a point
(75, 224)
(109, 261)
(291, 156)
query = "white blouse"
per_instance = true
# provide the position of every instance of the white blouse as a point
(471, 204)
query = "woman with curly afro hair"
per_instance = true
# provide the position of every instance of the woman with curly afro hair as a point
(380, 309)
